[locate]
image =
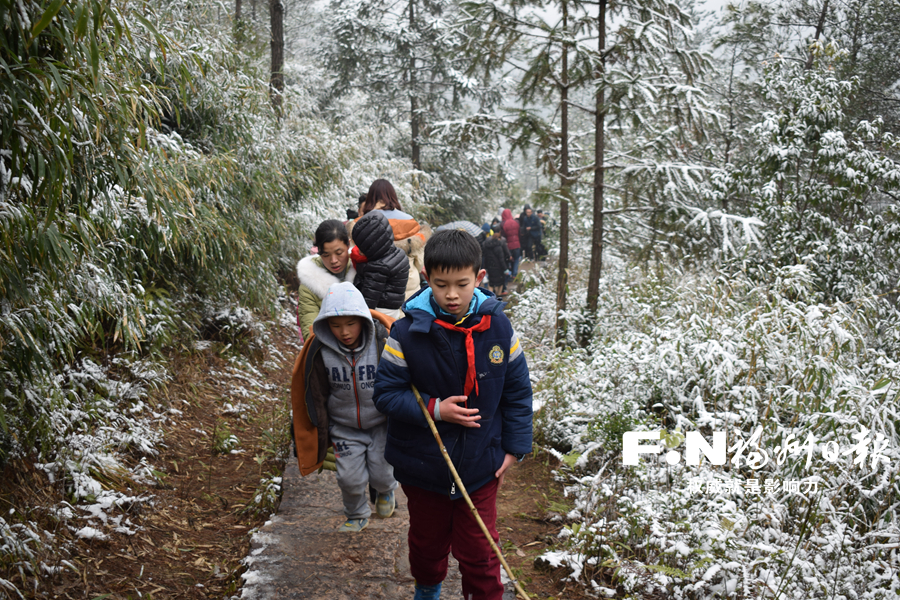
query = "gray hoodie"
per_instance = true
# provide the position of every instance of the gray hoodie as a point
(351, 373)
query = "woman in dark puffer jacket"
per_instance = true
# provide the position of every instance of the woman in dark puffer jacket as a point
(382, 268)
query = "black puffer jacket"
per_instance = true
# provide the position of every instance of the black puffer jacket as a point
(383, 270)
(496, 257)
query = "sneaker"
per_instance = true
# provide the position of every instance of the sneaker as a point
(385, 504)
(353, 525)
(428, 592)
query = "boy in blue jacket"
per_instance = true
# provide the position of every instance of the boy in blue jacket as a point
(459, 350)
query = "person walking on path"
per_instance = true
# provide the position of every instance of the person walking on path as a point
(531, 226)
(510, 228)
(382, 268)
(496, 261)
(318, 272)
(409, 235)
(459, 350)
(339, 386)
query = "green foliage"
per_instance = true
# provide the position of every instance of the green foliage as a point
(824, 187)
(145, 195)
(607, 428)
(223, 441)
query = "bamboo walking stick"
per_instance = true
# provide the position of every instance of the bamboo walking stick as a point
(437, 436)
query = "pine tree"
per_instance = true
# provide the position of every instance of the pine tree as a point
(650, 96)
(638, 79)
(868, 29)
(544, 53)
(402, 55)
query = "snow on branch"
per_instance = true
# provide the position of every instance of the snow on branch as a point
(747, 226)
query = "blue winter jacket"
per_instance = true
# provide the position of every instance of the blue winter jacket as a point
(419, 352)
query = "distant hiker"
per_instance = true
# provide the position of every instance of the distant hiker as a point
(409, 235)
(340, 383)
(531, 226)
(508, 257)
(486, 228)
(524, 238)
(460, 351)
(381, 267)
(317, 273)
(496, 261)
(511, 233)
(539, 249)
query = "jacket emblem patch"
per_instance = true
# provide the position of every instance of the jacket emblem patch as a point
(496, 355)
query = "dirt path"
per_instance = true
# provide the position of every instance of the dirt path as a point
(193, 535)
(299, 554)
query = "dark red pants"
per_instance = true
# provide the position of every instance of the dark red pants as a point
(438, 525)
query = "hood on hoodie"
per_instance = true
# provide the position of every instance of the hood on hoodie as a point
(506, 215)
(423, 301)
(342, 300)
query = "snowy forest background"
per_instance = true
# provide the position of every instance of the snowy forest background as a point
(724, 186)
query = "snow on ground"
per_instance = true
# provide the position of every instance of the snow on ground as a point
(109, 428)
(804, 505)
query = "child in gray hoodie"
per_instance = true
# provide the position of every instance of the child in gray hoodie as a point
(344, 368)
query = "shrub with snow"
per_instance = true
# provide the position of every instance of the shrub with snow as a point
(712, 353)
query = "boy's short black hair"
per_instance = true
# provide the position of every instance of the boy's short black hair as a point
(452, 249)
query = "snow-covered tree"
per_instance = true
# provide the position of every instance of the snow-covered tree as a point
(400, 53)
(540, 51)
(629, 68)
(868, 29)
(403, 55)
(826, 188)
(647, 88)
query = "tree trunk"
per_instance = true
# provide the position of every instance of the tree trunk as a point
(729, 136)
(593, 293)
(276, 83)
(413, 100)
(236, 26)
(562, 278)
(820, 26)
(414, 130)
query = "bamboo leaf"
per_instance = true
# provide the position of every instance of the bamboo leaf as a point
(45, 19)
(95, 57)
(881, 383)
(81, 20)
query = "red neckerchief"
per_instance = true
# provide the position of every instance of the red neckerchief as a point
(483, 325)
(357, 256)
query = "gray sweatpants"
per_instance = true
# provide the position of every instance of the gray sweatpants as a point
(359, 459)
